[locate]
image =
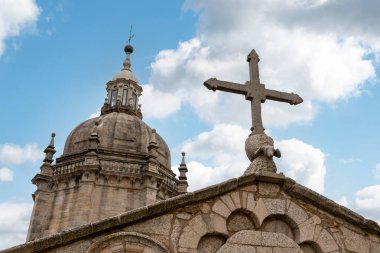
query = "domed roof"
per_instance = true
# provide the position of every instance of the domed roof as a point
(119, 134)
(125, 73)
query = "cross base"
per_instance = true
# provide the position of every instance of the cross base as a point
(260, 165)
(260, 151)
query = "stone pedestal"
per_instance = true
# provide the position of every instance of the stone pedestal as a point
(260, 151)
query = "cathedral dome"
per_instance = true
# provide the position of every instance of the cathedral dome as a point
(126, 74)
(110, 164)
(119, 134)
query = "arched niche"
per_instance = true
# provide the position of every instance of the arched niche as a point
(241, 219)
(280, 224)
(126, 242)
(310, 247)
(210, 243)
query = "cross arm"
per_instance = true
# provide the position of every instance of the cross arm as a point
(286, 97)
(215, 84)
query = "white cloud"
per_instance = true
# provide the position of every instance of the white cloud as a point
(95, 114)
(222, 138)
(367, 202)
(222, 148)
(15, 17)
(14, 154)
(6, 174)
(158, 104)
(302, 162)
(322, 65)
(219, 155)
(343, 201)
(14, 222)
(377, 171)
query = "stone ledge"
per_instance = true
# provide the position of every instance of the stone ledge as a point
(303, 193)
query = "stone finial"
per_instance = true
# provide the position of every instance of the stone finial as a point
(183, 158)
(153, 138)
(50, 151)
(51, 144)
(46, 167)
(153, 145)
(182, 185)
(91, 158)
(94, 141)
(138, 112)
(260, 151)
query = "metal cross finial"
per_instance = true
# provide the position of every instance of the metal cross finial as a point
(254, 91)
(131, 35)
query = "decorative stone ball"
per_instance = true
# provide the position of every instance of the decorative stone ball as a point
(128, 49)
(254, 142)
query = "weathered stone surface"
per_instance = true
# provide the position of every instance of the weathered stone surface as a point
(250, 202)
(236, 199)
(307, 229)
(278, 226)
(205, 208)
(220, 208)
(183, 216)
(244, 196)
(296, 213)
(175, 233)
(276, 239)
(198, 225)
(217, 224)
(275, 206)
(250, 188)
(355, 242)
(210, 243)
(246, 237)
(268, 189)
(326, 242)
(263, 250)
(237, 248)
(239, 221)
(228, 201)
(159, 226)
(188, 239)
(261, 211)
(250, 241)
(375, 247)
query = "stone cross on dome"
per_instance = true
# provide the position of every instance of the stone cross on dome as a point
(259, 146)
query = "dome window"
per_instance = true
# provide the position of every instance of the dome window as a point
(113, 97)
(125, 96)
(134, 100)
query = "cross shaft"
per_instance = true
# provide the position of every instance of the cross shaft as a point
(254, 91)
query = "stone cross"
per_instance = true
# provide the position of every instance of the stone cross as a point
(254, 91)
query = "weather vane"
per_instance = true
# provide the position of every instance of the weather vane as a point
(131, 35)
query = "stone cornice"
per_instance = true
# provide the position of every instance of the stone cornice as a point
(123, 80)
(288, 185)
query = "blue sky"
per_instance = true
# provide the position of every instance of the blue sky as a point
(56, 57)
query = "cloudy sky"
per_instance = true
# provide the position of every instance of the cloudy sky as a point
(56, 57)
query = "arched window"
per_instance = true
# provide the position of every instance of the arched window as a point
(277, 225)
(310, 247)
(113, 97)
(125, 96)
(210, 243)
(240, 220)
(134, 100)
